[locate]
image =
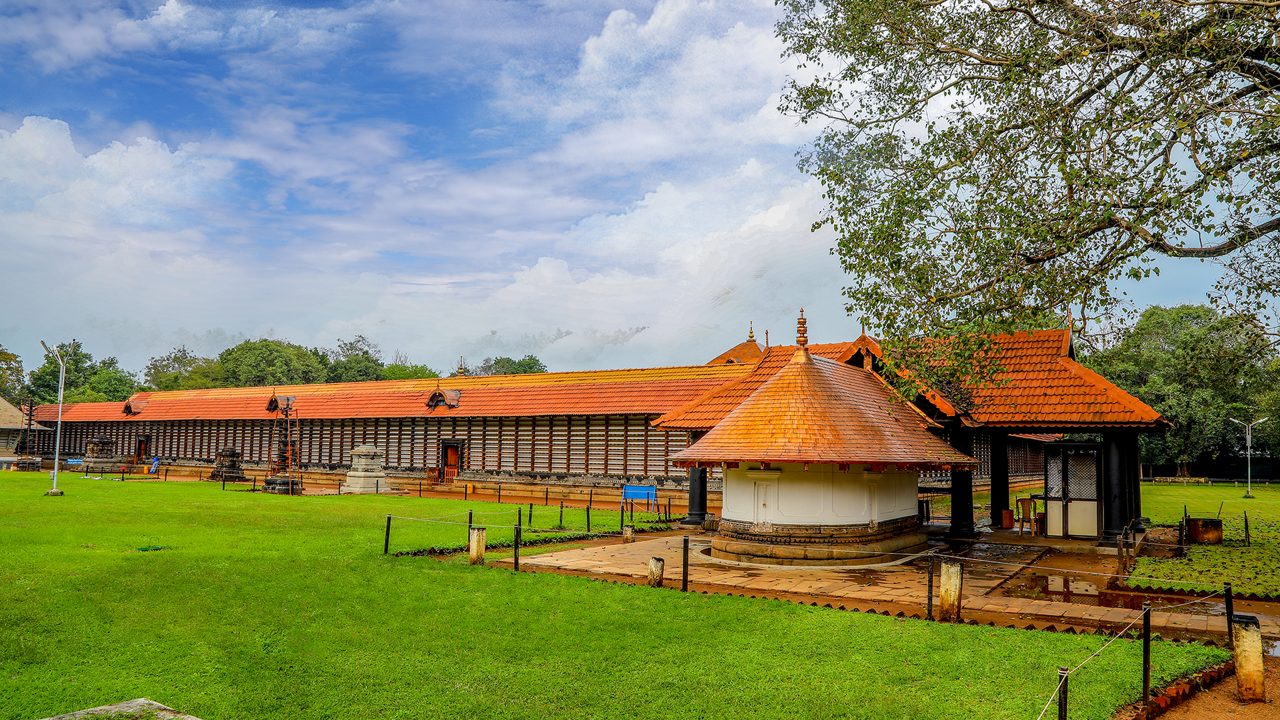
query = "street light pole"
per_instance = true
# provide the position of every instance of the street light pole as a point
(1248, 452)
(57, 436)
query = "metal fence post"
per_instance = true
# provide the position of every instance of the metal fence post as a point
(1064, 677)
(386, 539)
(1146, 659)
(928, 607)
(516, 556)
(1230, 601)
(684, 567)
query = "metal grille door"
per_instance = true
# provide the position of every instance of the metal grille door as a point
(1082, 475)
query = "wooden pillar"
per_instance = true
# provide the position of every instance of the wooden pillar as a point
(1116, 486)
(999, 476)
(962, 526)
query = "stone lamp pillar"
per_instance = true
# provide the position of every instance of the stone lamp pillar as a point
(366, 475)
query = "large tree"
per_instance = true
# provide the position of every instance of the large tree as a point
(988, 165)
(503, 365)
(43, 381)
(181, 369)
(86, 380)
(12, 381)
(255, 363)
(354, 360)
(1198, 368)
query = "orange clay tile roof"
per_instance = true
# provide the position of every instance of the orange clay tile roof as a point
(704, 412)
(747, 351)
(818, 410)
(649, 391)
(1040, 387)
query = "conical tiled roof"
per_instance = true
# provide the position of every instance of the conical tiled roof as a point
(821, 411)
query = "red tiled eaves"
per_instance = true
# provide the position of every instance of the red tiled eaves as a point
(1039, 387)
(705, 411)
(818, 410)
(649, 392)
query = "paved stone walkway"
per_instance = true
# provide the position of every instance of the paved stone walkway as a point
(900, 584)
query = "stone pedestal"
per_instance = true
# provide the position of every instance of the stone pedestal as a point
(100, 455)
(366, 475)
(227, 468)
(283, 484)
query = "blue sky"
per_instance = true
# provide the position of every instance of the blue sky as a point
(602, 183)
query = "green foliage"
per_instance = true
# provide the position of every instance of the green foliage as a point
(181, 369)
(407, 371)
(503, 365)
(355, 360)
(986, 166)
(1250, 569)
(256, 363)
(12, 380)
(43, 381)
(298, 614)
(86, 380)
(1197, 368)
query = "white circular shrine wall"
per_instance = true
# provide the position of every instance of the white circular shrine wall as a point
(820, 495)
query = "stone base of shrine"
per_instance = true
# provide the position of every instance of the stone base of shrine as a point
(364, 483)
(814, 545)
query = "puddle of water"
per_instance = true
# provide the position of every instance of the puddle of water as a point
(1064, 588)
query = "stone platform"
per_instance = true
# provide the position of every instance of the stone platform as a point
(892, 587)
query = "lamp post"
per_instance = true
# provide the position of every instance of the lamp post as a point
(57, 436)
(1248, 452)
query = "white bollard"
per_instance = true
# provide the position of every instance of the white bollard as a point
(656, 567)
(475, 545)
(628, 534)
(951, 585)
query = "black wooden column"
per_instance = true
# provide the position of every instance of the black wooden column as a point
(1133, 465)
(1115, 494)
(697, 497)
(962, 488)
(999, 475)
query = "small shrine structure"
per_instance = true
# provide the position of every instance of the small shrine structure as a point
(821, 465)
(366, 475)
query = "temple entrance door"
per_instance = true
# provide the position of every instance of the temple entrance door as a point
(1073, 480)
(142, 449)
(763, 505)
(451, 461)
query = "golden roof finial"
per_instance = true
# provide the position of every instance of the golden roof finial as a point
(462, 366)
(802, 337)
(766, 337)
(751, 331)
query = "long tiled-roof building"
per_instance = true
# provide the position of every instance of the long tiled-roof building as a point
(608, 426)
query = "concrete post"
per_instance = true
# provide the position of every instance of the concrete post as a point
(950, 596)
(656, 567)
(475, 545)
(628, 534)
(1246, 634)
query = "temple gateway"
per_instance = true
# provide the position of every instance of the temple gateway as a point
(614, 427)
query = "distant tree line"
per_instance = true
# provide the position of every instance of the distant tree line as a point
(1201, 369)
(252, 363)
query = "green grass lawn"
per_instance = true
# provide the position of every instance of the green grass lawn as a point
(1249, 569)
(276, 607)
